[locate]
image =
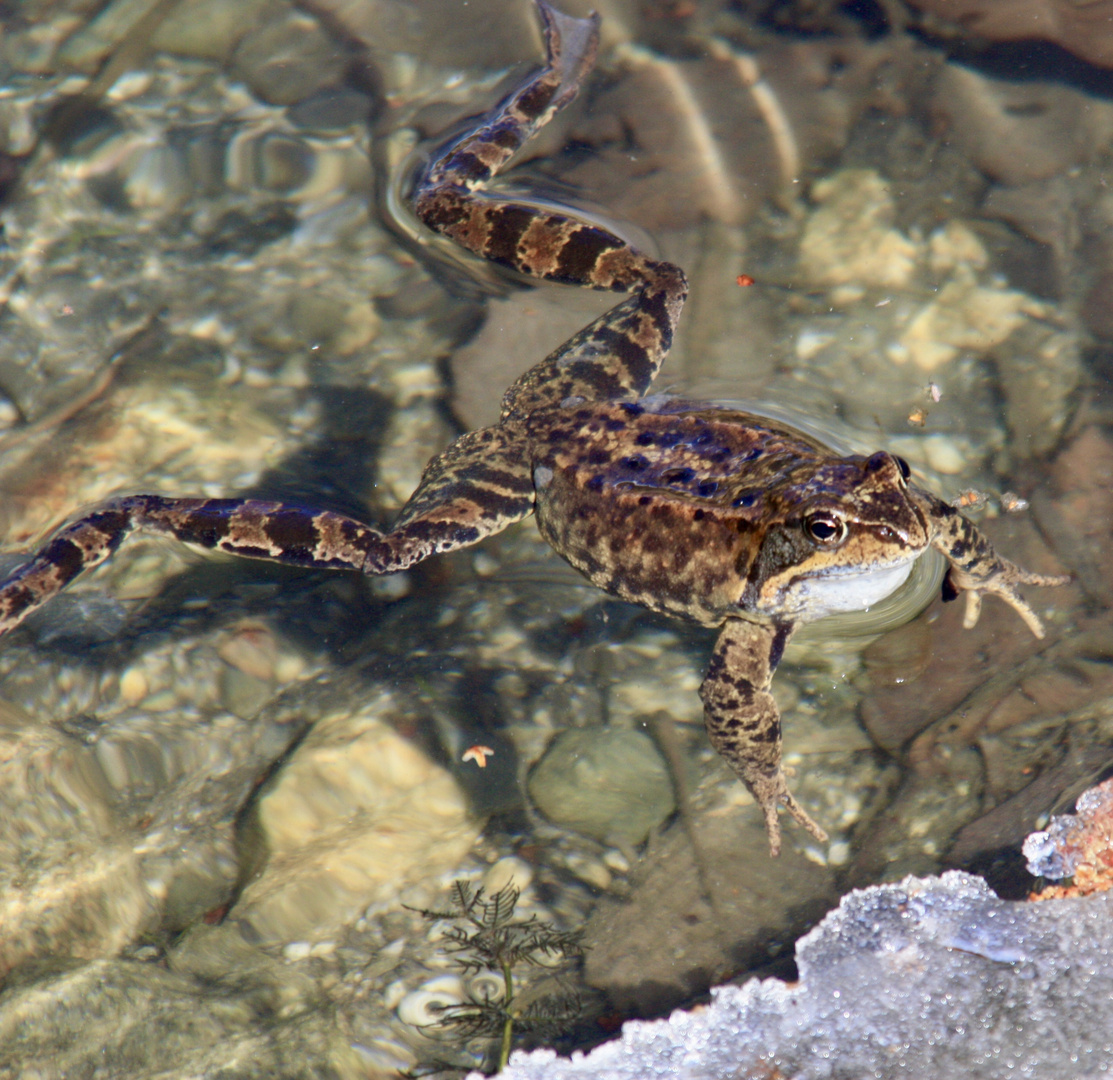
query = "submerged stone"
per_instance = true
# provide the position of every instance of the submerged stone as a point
(610, 785)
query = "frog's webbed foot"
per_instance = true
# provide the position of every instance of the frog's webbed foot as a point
(570, 47)
(769, 793)
(977, 570)
(743, 721)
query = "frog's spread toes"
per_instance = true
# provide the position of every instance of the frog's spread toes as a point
(976, 569)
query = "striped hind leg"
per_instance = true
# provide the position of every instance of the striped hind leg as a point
(478, 486)
(618, 355)
(470, 162)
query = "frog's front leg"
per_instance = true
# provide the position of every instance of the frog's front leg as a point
(977, 569)
(743, 721)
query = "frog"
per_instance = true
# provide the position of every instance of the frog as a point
(695, 510)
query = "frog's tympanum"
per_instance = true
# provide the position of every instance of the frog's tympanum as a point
(686, 508)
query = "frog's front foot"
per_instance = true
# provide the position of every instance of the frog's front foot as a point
(743, 721)
(1001, 580)
(977, 570)
(770, 792)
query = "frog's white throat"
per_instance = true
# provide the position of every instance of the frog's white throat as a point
(844, 589)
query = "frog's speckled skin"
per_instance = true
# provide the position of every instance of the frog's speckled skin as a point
(706, 513)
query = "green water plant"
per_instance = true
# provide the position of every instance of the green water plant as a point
(484, 934)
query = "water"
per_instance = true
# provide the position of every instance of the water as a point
(223, 780)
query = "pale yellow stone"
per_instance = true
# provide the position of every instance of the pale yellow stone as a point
(964, 316)
(133, 686)
(955, 245)
(251, 648)
(506, 872)
(357, 814)
(849, 239)
(90, 903)
(360, 327)
(944, 455)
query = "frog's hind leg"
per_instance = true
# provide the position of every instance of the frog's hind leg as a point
(570, 46)
(615, 358)
(481, 484)
(618, 355)
(477, 487)
(248, 527)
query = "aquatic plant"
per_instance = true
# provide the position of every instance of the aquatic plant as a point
(483, 935)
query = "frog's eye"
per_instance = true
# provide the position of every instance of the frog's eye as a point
(825, 529)
(905, 471)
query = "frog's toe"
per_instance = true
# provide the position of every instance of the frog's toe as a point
(772, 827)
(801, 817)
(772, 792)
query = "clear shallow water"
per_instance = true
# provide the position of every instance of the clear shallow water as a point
(202, 298)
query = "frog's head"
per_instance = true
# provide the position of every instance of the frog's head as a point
(842, 536)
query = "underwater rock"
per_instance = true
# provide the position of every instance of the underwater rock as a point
(850, 239)
(357, 813)
(697, 129)
(988, 771)
(996, 728)
(1077, 511)
(1083, 27)
(696, 913)
(120, 825)
(964, 316)
(1040, 367)
(920, 979)
(676, 142)
(1020, 132)
(99, 1018)
(611, 785)
(288, 59)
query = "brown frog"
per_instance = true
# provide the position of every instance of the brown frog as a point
(696, 511)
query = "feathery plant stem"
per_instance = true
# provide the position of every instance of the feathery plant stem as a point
(484, 935)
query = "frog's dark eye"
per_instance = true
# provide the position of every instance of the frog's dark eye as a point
(825, 529)
(905, 471)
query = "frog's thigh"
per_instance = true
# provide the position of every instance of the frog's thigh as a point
(615, 358)
(481, 484)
